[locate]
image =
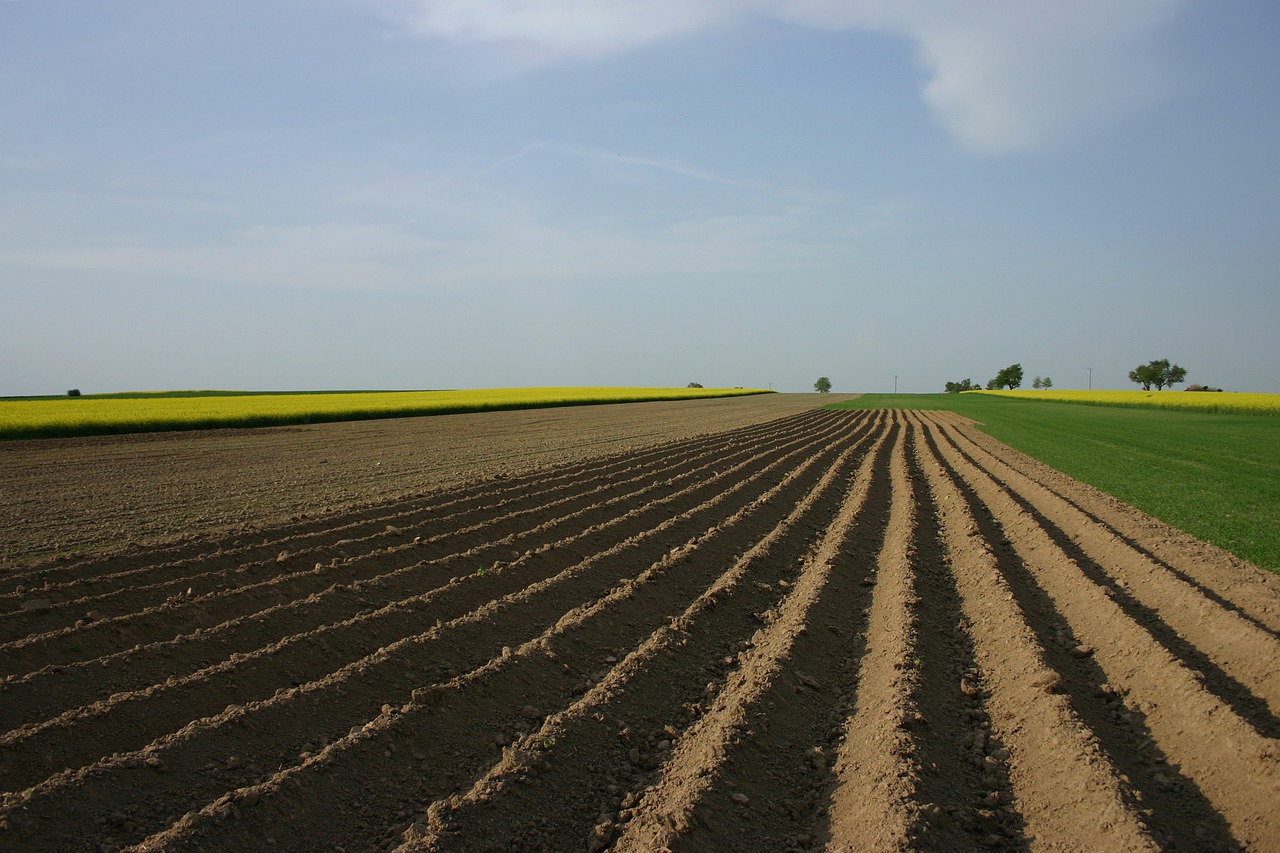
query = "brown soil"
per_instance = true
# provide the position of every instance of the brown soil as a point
(799, 630)
(72, 495)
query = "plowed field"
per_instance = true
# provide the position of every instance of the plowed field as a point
(829, 630)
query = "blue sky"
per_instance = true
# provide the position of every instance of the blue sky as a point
(485, 193)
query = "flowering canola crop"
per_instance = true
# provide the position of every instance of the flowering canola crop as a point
(66, 416)
(1199, 401)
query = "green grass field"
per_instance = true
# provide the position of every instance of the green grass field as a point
(159, 411)
(1216, 476)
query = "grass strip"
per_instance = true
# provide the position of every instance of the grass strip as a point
(1213, 475)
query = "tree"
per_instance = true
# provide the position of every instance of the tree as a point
(823, 385)
(1037, 383)
(74, 392)
(957, 387)
(1170, 375)
(1046, 383)
(1143, 375)
(1158, 373)
(695, 384)
(1011, 377)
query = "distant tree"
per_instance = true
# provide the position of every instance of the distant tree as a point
(1037, 383)
(695, 384)
(1046, 383)
(1158, 373)
(1172, 375)
(1143, 375)
(823, 385)
(1010, 377)
(957, 387)
(74, 392)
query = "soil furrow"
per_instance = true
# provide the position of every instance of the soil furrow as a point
(832, 630)
(76, 737)
(96, 588)
(60, 495)
(52, 689)
(1231, 656)
(544, 673)
(965, 798)
(625, 728)
(184, 764)
(873, 789)
(1226, 580)
(224, 566)
(264, 542)
(1062, 782)
(135, 590)
(1169, 810)
(913, 772)
(69, 645)
(753, 773)
(1229, 779)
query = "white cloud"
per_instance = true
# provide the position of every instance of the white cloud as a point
(562, 28)
(1012, 76)
(1002, 75)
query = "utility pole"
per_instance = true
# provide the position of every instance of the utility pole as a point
(1090, 378)
(895, 383)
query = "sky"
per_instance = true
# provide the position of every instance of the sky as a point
(413, 194)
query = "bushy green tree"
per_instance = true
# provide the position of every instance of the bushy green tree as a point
(957, 387)
(1010, 377)
(1158, 373)
(1143, 375)
(823, 385)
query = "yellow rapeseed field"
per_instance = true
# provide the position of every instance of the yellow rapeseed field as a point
(1200, 401)
(64, 416)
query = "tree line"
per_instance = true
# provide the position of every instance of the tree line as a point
(1010, 377)
(1159, 372)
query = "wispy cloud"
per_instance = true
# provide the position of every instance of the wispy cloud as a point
(331, 256)
(519, 155)
(1000, 76)
(30, 163)
(674, 167)
(601, 155)
(485, 252)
